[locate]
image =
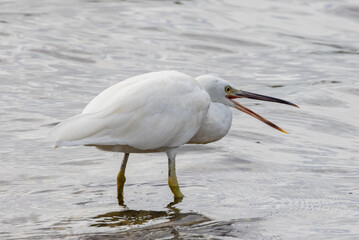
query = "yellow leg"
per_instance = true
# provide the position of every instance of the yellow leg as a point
(172, 182)
(121, 179)
(172, 177)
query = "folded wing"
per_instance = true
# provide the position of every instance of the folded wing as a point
(149, 111)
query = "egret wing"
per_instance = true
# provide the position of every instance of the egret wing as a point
(155, 110)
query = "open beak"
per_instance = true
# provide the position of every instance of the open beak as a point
(243, 94)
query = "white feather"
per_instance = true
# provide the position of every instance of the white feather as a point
(215, 126)
(149, 111)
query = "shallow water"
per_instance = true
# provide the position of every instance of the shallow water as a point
(256, 183)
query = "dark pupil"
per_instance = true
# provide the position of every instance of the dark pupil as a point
(227, 89)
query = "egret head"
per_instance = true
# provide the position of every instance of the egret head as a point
(223, 92)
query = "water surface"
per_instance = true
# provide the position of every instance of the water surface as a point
(256, 183)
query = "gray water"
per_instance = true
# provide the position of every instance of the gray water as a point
(256, 183)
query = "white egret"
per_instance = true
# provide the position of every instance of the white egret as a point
(155, 112)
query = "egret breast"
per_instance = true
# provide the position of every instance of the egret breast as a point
(215, 126)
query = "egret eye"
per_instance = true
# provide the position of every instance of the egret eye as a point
(227, 89)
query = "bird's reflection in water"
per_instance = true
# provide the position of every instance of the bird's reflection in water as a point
(170, 224)
(147, 224)
(128, 218)
(133, 218)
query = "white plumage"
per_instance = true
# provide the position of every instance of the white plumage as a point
(146, 112)
(157, 111)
